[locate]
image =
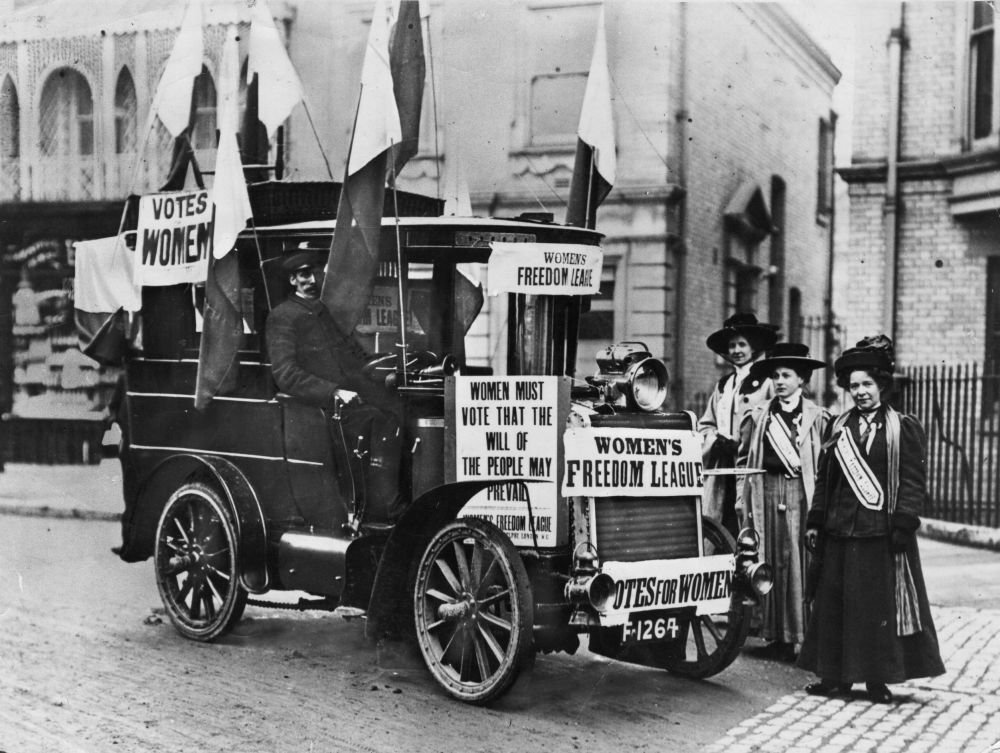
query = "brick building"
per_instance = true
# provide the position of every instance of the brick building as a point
(724, 132)
(923, 256)
(922, 262)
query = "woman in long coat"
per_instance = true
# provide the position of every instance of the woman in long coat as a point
(782, 437)
(741, 341)
(870, 621)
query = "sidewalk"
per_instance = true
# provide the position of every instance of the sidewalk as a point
(958, 712)
(92, 492)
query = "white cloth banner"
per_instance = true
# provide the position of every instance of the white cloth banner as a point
(174, 238)
(544, 268)
(103, 281)
(612, 462)
(280, 88)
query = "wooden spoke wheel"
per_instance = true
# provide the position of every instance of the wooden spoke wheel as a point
(473, 610)
(195, 562)
(705, 644)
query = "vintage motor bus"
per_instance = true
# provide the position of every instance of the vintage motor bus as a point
(539, 506)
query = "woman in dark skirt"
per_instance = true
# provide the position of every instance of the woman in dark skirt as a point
(870, 620)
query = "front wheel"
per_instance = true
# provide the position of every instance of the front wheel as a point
(473, 610)
(705, 644)
(196, 564)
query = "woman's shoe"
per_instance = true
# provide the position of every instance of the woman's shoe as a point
(878, 692)
(823, 688)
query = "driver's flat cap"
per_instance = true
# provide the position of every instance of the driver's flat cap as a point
(301, 259)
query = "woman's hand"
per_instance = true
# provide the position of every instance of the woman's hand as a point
(898, 540)
(812, 539)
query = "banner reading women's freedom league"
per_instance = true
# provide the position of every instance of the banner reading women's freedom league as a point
(507, 427)
(544, 268)
(174, 238)
(602, 462)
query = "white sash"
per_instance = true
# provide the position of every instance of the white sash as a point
(780, 438)
(857, 472)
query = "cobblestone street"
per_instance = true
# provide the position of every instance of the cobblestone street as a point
(959, 711)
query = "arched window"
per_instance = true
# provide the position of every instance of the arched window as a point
(204, 132)
(10, 141)
(125, 113)
(66, 117)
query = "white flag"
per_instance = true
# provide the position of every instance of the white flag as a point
(279, 86)
(172, 102)
(377, 125)
(229, 191)
(597, 126)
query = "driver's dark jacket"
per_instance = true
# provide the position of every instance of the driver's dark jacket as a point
(310, 357)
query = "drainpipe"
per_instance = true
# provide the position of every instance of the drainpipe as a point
(830, 394)
(891, 208)
(680, 202)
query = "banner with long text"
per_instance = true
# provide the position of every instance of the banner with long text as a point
(705, 583)
(544, 268)
(605, 462)
(506, 427)
(174, 240)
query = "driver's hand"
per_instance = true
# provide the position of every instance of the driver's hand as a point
(346, 396)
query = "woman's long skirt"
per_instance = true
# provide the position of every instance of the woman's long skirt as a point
(784, 518)
(852, 628)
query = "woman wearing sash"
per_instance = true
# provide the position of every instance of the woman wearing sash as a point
(870, 621)
(782, 437)
(741, 341)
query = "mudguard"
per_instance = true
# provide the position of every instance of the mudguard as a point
(243, 506)
(388, 606)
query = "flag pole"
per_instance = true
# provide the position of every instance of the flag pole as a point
(434, 107)
(305, 105)
(399, 275)
(590, 187)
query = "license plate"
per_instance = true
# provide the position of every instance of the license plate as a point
(656, 625)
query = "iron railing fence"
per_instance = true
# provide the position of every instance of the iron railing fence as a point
(959, 407)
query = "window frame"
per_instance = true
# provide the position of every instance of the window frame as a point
(989, 139)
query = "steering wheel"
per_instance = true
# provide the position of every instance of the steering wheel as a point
(381, 365)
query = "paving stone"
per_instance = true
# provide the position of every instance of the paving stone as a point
(958, 712)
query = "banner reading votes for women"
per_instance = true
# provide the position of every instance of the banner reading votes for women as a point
(174, 239)
(604, 462)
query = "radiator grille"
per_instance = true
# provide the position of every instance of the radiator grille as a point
(631, 529)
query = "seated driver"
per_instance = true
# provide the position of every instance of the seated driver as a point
(314, 361)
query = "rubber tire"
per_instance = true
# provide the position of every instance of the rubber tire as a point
(673, 656)
(201, 512)
(497, 653)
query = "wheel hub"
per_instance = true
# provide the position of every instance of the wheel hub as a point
(465, 610)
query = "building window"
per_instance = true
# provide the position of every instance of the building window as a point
(125, 114)
(10, 141)
(66, 118)
(824, 171)
(204, 135)
(599, 322)
(562, 40)
(597, 326)
(795, 321)
(981, 86)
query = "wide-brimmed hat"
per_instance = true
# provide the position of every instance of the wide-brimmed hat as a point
(876, 352)
(761, 336)
(302, 257)
(795, 356)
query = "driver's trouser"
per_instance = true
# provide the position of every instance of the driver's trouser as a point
(374, 442)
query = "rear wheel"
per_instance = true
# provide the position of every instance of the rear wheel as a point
(473, 610)
(195, 562)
